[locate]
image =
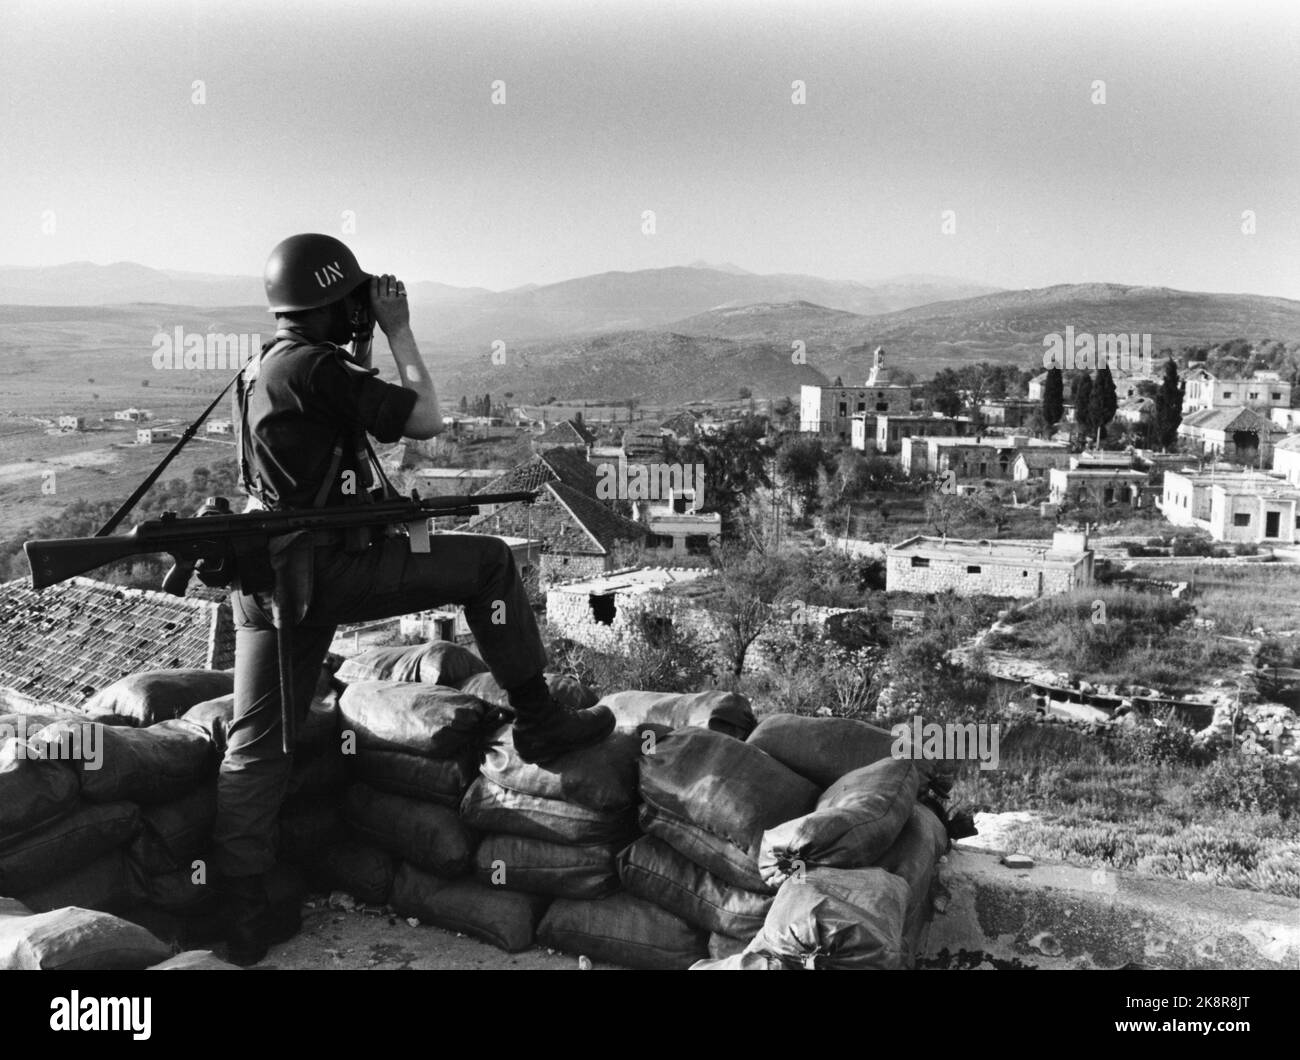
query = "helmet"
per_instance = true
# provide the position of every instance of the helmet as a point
(310, 271)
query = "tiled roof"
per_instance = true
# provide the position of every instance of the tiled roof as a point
(565, 519)
(553, 465)
(568, 432)
(680, 423)
(63, 644)
(1229, 419)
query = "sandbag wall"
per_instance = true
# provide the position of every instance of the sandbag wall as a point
(692, 836)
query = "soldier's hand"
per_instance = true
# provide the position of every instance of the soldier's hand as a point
(388, 302)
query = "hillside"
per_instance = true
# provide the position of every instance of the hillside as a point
(1004, 327)
(649, 366)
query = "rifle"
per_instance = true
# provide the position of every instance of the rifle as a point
(226, 547)
(228, 550)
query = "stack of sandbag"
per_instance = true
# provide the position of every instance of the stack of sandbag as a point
(80, 856)
(829, 919)
(440, 662)
(417, 748)
(728, 713)
(868, 816)
(706, 800)
(546, 831)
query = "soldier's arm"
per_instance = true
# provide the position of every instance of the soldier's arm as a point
(392, 314)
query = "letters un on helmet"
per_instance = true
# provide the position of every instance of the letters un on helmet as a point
(309, 271)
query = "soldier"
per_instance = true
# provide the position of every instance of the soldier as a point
(304, 407)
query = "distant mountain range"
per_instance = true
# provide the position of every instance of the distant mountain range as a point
(694, 332)
(474, 316)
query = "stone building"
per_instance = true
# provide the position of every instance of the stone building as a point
(983, 457)
(580, 535)
(890, 431)
(1262, 391)
(1231, 433)
(992, 568)
(829, 410)
(1233, 505)
(1286, 459)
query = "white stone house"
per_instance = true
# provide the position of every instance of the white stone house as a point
(993, 568)
(1233, 505)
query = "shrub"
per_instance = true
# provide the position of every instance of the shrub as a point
(1251, 783)
(1168, 744)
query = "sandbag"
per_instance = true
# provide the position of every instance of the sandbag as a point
(13, 907)
(739, 962)
(417, 719)
(151, 696)
(195, 961)
(539, 867)
(73, 939)
(622, 930)
(317, 731)
(857, 819)
(567, 689)
(711, 797)
(34, 792)
(440, 780)
(363, 870)
(179, 892)
(821, 749)
(213, 717)
(488, 807)
(173, 834)
(507, 919)
(836, 919)
(651, 869)
(68, 844)
(723, 946)
(307, 827)
(430, 837)
(602, 777)
(914, 858)
(107, 884)
(153, 765)
(728, 713)
(441, 662)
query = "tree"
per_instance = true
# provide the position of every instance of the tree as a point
(1083, 405)
(749, 583)
(464, 403)
(800, 460)
(1103, 400)
(1053, 398)
(947, 402)
(744, 392)
(735, 463)
(1169, 406)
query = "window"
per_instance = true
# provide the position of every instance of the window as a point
(1241, 519)
(1024, 574)
(1227, 393)
(882, 406)
(602, 608)
(1276, 395)
(972, 570)
(920, 561)
(844, 408)
(862, 406)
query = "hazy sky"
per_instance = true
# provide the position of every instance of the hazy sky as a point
(612, 109)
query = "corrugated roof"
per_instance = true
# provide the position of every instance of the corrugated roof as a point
(65, 643)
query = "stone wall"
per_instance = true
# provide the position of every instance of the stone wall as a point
(993, 579)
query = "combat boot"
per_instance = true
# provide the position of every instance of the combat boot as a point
(540, 736)
(252, 923)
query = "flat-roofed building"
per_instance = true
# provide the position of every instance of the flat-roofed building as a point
(1232, 505)
(992, 568)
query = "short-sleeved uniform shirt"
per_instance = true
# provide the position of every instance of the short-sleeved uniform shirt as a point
(302, 400)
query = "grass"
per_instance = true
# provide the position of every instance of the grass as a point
(1238, 599)
(1099, 809)
(1110, 635)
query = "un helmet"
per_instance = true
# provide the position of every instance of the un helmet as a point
(310, 271)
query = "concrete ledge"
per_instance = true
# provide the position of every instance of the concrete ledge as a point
(1064, 916)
